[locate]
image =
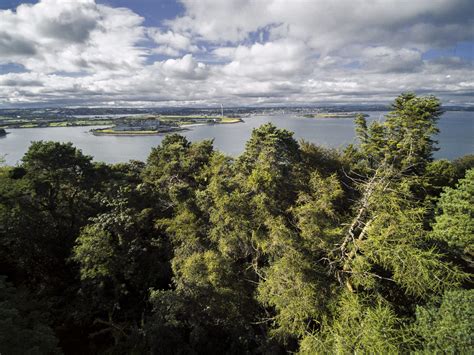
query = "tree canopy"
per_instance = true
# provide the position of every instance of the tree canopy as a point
(288, 248)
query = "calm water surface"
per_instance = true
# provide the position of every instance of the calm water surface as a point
(455, 138)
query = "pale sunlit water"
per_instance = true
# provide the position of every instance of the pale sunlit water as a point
(455, 138)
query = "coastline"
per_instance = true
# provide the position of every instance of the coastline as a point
(323, 115)
(134, 133)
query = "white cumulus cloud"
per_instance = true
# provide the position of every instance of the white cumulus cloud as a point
(57, 35)
(240, 52)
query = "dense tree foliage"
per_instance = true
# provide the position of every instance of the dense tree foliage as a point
(23, 326)
(446, 326)
(289, 247)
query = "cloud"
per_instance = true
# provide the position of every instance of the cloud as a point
(230, 20)
(452, 63)
(20, 80)
(239, 52)
(279, 59)
(184, 68)
(171, 43)
(387, 60)
(70, 36)
(329, 25)
(12, 47)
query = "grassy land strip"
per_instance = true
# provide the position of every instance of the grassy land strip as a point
(335, 115)
(111, 132)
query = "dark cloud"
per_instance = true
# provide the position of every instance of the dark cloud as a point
(20, 82)
(454, 12)
(11, 46)
(68, 28)
(453, 63)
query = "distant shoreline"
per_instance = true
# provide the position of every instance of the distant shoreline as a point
(335, 115)
(102, 132)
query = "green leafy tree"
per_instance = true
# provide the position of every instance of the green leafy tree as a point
(46, 201)
(359, 326)
(463, 164)
(405, 139)
(23, 324)
(113, 252)
(378, 252)
(43, 204)
(204, 309)
(455, 220)
(438, 175)
(447, 327)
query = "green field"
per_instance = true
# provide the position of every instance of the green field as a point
(230, 120)
(196, 119)
(111, 132)
(335, 115)
(80, 123)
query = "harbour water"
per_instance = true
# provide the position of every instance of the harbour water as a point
(456, 136)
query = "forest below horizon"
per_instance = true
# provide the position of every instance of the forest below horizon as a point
(288, 248)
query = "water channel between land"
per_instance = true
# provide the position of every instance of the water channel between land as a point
(456, 136)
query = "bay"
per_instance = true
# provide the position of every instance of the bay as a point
(455, 138)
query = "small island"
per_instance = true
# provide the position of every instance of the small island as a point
(148, 126)
(136, 130)
(335, 115)
(3, 133)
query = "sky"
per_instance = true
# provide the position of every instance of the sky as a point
(198, 53)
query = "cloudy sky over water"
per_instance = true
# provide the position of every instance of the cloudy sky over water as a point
(235, 52)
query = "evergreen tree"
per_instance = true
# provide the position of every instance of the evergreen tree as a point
(455, 220)
(447, 326)
(405, 139)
